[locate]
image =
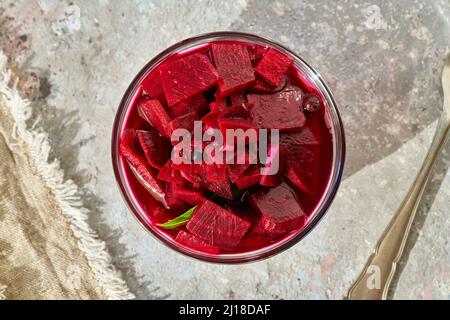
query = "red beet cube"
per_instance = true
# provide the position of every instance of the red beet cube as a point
(221, 101)
(237, 99)
(172, 201)
(191, 197)
(212, 118)
(222, 189)
(186, 77)
(306, 166)
(236, 169)
(281, 110)
(169, 174)
(213, 106)
(152, 86)
(234, 124)
(278, 208)
(200, 174)
(234, 66)
(303, 161)
(154, 113)
(301, 138)
(250, 177)
(273, 66)
(139, 166)
(276, 157)
(257, 53)
(155, 147)
(197, 103)
(257, 234)
(191, 241)
(185, 121)
(262, 85)
(216, 172)
(296, 179)
(217, 226)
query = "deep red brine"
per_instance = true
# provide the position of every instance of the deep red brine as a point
(233, 207)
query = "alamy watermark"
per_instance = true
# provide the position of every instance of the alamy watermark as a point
(234, 146)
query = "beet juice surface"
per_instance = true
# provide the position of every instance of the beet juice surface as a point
(234, 207)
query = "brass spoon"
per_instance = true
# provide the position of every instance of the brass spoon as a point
(374, 281)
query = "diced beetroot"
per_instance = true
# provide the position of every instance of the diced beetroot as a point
(234, 124)
(217, 226)
(230, 123)
(222, 189)
(186, 77)
(236, 170)
(197, 103)
(263, 86)
(241, 211)
(303, 137)
(171, 198)
(191, 197)
(269, 178)
(233, 64)
(169, 174)
(278, 208)
(250, 177)
(221, 101)
(302, 159)
(294, 177)
(210, 119)
(185, 121)
(273, 66)
(257, 53)
(238, 112)
(139, 166)
(258, 234)
(307, 166)
(235, 112)
(237, 99)
(281, 110)
(198, 173)
(213, 106)
(189, 177)
(215, 178)
(239, 165)
(216, 172)
(154, 113)
(155, 147)
(197, 186)
(191, 241)
(152, 86)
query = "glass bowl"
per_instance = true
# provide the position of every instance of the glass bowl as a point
(312, 78)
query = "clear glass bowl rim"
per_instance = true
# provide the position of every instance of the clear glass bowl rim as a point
(338, 145)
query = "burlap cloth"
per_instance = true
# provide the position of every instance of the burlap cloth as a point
(47, 250)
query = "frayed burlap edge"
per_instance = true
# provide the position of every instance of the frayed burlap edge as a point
(66, 192)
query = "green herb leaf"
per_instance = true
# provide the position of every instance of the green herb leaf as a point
(178, 221)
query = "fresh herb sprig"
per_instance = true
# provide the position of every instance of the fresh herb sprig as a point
(182, 219)
(178, 221)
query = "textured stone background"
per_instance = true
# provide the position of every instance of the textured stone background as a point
(382, 60)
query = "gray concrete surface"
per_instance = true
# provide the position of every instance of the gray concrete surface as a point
(382, 59)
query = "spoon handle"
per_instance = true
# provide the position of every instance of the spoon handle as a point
(375, 279)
